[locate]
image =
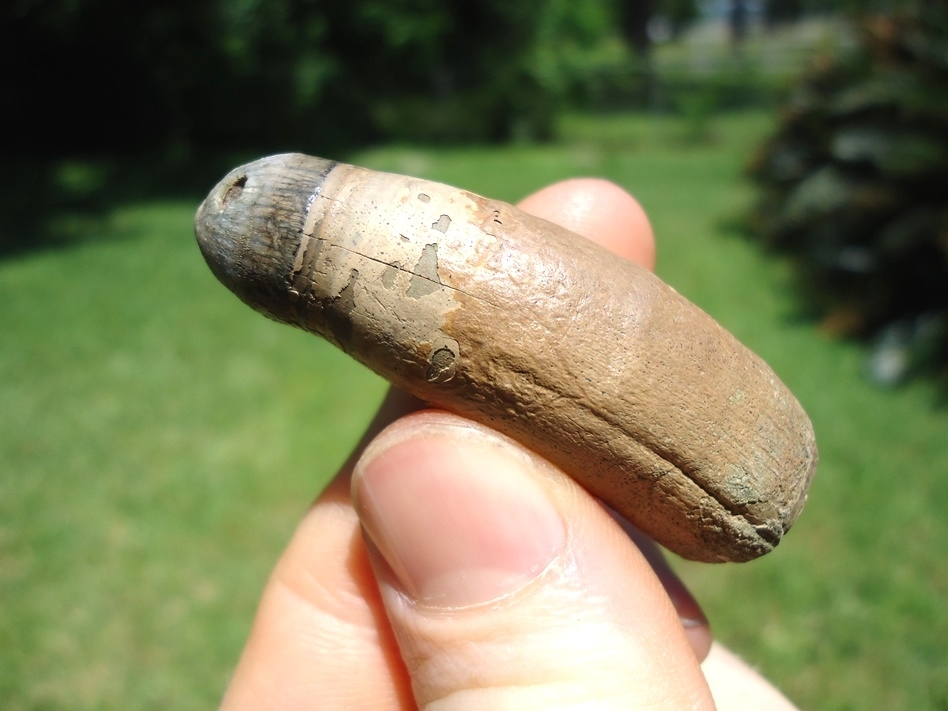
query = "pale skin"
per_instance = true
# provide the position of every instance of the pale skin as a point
(447, 568)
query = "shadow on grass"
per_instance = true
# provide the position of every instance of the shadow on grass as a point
(63, 202)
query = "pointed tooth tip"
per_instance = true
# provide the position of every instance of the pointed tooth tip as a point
(223, 224)
(248, 226)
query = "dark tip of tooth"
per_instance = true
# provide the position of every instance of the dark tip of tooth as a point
(248, 227)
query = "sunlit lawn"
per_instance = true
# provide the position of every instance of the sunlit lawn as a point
(158, 442)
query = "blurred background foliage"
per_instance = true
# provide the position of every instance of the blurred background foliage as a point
(104, 75)
(101, 88)
(187, 88)
(213, 73)
(855, 186)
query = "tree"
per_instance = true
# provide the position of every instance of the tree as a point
(853, 185)
(114, 76)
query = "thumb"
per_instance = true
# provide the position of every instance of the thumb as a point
(506, 585)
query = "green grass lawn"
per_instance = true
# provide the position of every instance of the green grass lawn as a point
(158, 442)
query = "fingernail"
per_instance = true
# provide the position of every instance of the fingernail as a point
(457, 513)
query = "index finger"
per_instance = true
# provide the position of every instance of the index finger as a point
(600, 211)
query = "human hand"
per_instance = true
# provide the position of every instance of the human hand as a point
(448, 567)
